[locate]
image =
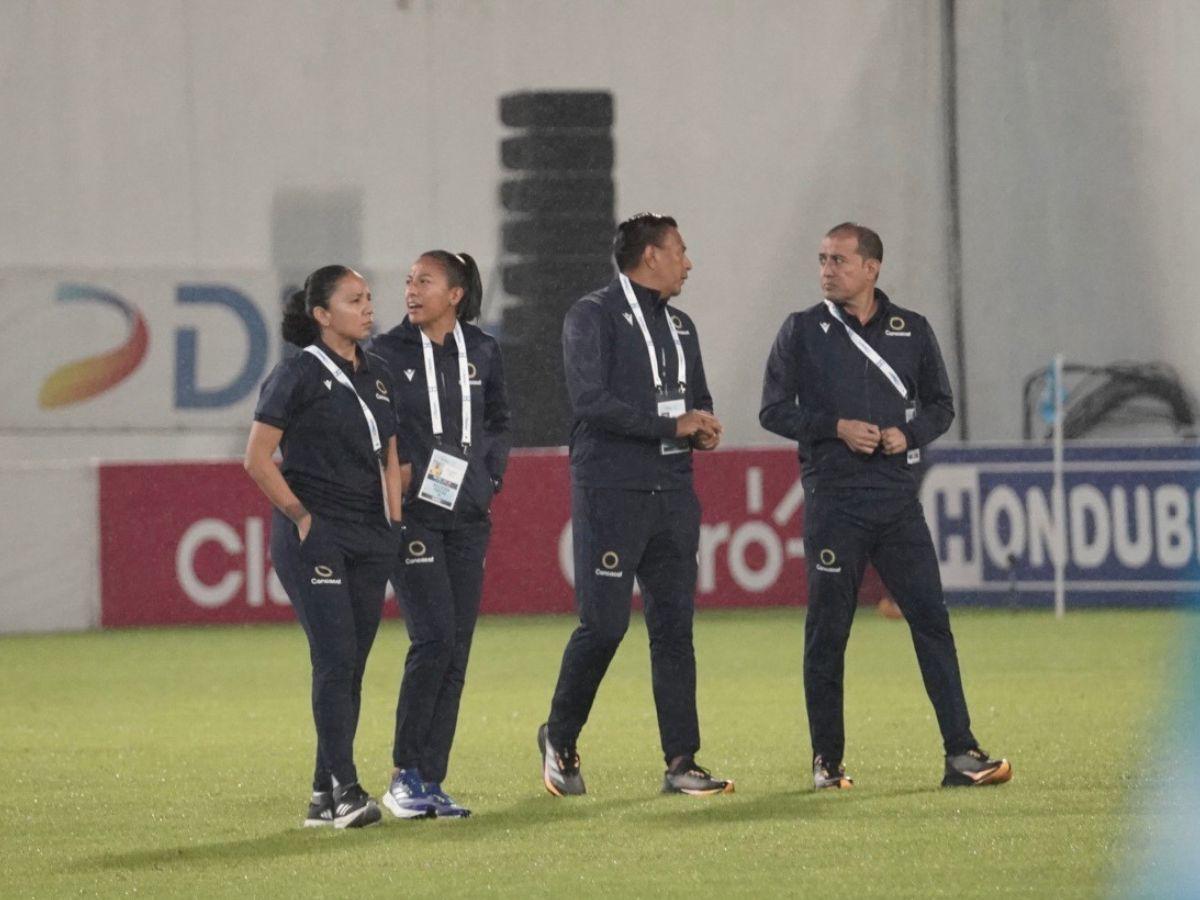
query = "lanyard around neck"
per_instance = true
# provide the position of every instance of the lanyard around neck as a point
(636, 309)
(464, 384)
(868, 351)
(377, 445)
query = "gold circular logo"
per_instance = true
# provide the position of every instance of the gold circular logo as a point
(323, 571)
(416, 548)
(380, 386)
(610, 560)
(472, 372)
(896, 323)
(828, 557)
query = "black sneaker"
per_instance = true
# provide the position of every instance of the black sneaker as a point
(688, 778)
(320, 810)
(828, 776)
(353, 808)
(560, 770)
(974, 769)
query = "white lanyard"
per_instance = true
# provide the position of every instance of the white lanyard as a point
(869, 352)
(636, 308)
(464, 384)
(336, 371)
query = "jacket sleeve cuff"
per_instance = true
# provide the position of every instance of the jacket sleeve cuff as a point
(824, 427)
(664, 428)
(906, 430)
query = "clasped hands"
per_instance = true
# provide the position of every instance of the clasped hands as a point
(863, 437)
(702, 428)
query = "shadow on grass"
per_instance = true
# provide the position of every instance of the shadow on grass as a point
(530, 812)
(796, 805)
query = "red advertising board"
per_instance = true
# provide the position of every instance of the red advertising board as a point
(188, 542)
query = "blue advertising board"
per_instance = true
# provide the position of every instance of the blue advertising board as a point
(1132, 524)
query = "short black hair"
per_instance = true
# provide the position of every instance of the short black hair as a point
(870, 246)
(637, 233)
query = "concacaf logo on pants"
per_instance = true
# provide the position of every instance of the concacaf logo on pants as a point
(827, 561)
(324, 575)
(418, 554)
(610, 560)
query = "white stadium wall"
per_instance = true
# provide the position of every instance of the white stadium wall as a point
(176, 143)
(1078, 124)
(50, 568)
(179, 164)
(172, 143)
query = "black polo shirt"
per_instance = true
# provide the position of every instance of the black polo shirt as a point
(328, 460)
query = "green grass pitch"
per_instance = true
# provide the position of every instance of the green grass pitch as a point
(176, 762)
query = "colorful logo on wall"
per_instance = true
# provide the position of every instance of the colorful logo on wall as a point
(85, 378)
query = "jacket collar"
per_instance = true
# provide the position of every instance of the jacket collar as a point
(345, 364)
(651, 300)
(411, 334)
(883, 306)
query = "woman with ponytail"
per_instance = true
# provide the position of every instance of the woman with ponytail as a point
(337, 498)
(453, 410)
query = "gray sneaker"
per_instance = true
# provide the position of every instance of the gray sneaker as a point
(689, 778)
(560, 770)
(827, 776)
(974, 769)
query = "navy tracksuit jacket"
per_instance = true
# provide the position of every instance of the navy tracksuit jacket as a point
(864, 507)
(634, 513)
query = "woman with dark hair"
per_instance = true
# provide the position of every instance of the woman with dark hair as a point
(453, 407)
(337, 499)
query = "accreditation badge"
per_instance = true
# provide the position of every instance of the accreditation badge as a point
(444, 477)
(672, 407)
(914, 456)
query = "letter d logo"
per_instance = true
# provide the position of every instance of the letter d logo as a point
(188, 394)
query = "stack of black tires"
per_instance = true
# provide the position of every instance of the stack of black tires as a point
(557, 241)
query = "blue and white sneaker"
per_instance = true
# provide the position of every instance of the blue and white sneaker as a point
(445, 806)
(406, 797)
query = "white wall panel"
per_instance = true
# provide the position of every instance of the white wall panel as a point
(273, 136)
(49, 571)
(1080, 190)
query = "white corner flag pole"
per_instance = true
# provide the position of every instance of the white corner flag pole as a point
(1058, 498)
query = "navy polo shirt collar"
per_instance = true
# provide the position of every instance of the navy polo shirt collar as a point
(345, 364)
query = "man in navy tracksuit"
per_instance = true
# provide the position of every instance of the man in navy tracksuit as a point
(640, 404)
(860, 384)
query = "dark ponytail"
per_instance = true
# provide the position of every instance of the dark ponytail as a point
(462, 272)
(299, 327)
